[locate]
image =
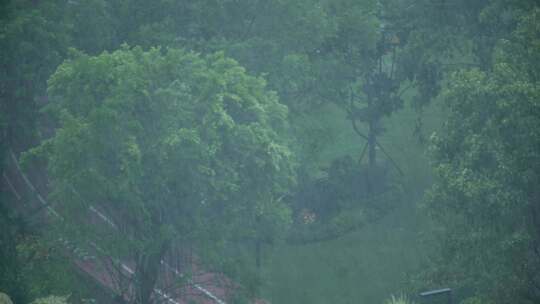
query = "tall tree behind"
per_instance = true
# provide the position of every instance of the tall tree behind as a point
(486, 196)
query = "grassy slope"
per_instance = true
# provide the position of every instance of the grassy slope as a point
(371, 264)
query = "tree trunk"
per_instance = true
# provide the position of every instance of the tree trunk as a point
(372, 157)
(372, 142)
(258, 254)
(148, 266)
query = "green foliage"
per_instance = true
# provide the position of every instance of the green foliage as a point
(51, 300)
(31, 265)
(44, 269)
(485, 197)
(171, 142)
(11, 280)
(347, 198)
(32, 40)
(188, 146)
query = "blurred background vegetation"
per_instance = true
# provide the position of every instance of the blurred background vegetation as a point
(346, 151)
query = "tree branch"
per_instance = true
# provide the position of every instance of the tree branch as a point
(390, 158)
(357, 131)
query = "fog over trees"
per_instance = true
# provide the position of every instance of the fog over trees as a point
(270, 151)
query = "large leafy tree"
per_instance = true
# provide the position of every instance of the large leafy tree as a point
(172, 146)
(486, 197)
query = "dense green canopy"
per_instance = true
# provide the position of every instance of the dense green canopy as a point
(173, 146)
(300, 146)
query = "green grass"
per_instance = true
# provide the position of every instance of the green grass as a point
(371, 264)
(364, 267)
